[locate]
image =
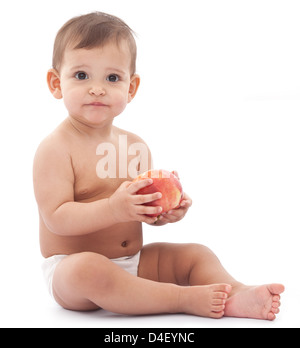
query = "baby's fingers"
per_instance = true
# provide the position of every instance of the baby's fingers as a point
(136, 186)
(142, 199)
(148, 219)
(148, 210)
(186, 201)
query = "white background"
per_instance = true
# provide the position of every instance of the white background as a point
(219, 102)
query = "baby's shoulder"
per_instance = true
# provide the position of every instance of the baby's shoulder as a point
(52, 145)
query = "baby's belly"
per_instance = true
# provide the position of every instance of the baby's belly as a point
(119, 240)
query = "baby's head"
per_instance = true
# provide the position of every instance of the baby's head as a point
(90, 31)
(94, 62)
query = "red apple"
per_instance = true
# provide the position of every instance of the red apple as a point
(165, 182)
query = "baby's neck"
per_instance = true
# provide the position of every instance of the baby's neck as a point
(91, 131)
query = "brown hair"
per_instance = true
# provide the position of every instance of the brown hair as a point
(93, 30)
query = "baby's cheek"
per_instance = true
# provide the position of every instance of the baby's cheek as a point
(71, 101)
(120, 105)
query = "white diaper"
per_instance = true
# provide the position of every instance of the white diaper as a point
(128, 263)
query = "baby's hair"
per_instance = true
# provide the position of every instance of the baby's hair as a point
(93, 30)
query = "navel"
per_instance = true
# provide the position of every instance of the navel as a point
(124, 244)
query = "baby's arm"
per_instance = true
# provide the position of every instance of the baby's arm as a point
(54, 190)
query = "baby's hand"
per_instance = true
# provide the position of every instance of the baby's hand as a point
(127, 206)
(178, 213)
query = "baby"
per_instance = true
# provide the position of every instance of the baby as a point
(90, 213)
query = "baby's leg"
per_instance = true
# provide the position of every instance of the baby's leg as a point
(183, 264)
(193, 264)
(257, 302)
(173, 263)
(88, 281)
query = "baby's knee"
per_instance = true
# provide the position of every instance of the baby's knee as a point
(196, 248)
(198, 251)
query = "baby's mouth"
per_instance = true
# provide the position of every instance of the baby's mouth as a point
(97, 104)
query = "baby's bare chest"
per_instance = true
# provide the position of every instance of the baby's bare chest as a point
(100, 170)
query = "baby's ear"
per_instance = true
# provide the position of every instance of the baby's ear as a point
(134, 85)
(53, 80)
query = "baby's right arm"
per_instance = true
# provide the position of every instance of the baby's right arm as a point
(54, 191)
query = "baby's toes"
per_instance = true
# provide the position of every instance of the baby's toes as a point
(275, 310)
(218, 301)
(217, 315)
(220, 295)
(271, 316)
(218, 308)
(221, 288)
(276, 298)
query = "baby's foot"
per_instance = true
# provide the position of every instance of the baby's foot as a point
(257, 302)
(205, 301)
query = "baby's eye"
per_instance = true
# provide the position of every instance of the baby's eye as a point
(113, 78)
(80, 75)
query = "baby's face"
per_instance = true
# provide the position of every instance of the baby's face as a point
(96, 83)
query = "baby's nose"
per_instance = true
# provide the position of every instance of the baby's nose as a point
(97, 91)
